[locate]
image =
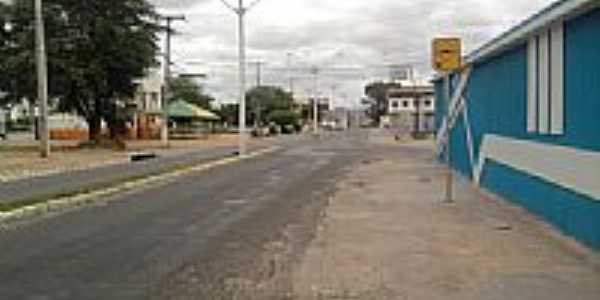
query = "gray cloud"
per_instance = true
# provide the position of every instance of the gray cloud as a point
(335, 33)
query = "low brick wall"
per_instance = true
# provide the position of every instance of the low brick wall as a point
(69, 134)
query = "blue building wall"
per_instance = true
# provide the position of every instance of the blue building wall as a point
(497, 104)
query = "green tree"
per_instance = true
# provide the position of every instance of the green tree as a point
(186, 90)
(17, 49)
(96, 49)
(284, 117)
(229, 113)
(263, 100)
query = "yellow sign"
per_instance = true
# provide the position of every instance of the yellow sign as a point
(446, 54)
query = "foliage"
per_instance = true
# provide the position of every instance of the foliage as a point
(185, 89)
(96, 49)
(264, 100)
(284, 117)
(229, 113)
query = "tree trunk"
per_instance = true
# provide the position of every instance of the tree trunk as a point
(95, 128)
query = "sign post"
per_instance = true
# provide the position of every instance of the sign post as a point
(446, 58)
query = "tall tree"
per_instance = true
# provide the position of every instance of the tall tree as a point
(264, 100)
(229, 113)
(17, 49)
(96, 49)
(187, 90)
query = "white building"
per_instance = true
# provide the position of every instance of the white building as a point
(149, 92)
(411, 109)
(147, 121)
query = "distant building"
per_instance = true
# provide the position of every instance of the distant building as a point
(147, 120)
(338, 118)
(21, 110)
(411, 109)
(523, 118)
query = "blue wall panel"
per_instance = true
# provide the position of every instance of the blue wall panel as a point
(576, 215)
(496, 96)
(497, 104)
(460, 161)
(582, 81)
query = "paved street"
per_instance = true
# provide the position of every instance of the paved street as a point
(299, 150)
(67, 182)
(188, 239)
(350, 215)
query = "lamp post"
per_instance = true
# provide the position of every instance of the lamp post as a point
(240, 10)
(42, 80)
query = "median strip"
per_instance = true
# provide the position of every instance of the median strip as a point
(29, 208)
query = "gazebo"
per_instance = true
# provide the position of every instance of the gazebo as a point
(189, 119)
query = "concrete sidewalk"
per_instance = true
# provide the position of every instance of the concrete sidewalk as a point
(387, 235)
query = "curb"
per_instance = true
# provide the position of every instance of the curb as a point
(62, 204)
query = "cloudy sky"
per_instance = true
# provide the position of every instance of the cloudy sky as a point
(351, 40)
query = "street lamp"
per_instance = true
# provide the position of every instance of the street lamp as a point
(42, 80)
(241, 11)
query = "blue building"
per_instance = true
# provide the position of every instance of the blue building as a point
(524, 117)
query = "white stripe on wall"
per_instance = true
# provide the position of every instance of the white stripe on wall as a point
(543, 82)
(574, 169)
(557, 80)
(532, 81)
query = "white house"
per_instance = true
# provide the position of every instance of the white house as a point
(411, 108)
(147, 121)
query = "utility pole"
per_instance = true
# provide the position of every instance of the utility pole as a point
(332, 99)
(289, 71)
(166, 94)
(257, 106)
(258, 65)
(42, 79)
(241, 11)
(315, 73)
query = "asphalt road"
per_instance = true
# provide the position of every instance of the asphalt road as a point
(182, 240)
(64, 183)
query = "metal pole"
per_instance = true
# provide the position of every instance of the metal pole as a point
(332, 99)
(258, 73)
(164, 134)
(257, 106)
(289, 73)
(167, 77)
(242, 78)
(449, 175)
(42, 78)
(316, 101)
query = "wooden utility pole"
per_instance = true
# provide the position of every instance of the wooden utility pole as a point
(166, 94)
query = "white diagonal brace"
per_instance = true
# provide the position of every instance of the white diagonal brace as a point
(454, 109)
